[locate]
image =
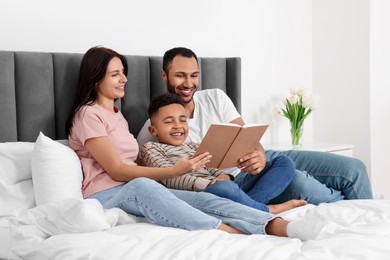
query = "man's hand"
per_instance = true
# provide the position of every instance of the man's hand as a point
(253, 162)
(222, 176)
(186, 164)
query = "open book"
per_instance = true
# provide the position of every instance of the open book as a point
(227, 143)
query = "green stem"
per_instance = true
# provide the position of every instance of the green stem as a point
(296, 133)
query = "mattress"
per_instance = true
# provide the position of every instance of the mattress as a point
(356, 229)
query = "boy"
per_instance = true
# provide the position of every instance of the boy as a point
(169, 125)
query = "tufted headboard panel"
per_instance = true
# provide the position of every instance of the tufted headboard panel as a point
(37, 90)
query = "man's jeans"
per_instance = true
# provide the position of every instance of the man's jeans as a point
(257, 190)
(324, 177)
(188, 210)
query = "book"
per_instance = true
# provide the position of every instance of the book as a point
(227, 143)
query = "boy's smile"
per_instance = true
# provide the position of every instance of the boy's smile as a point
(170, 125)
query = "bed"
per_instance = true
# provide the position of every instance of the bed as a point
(42, 213)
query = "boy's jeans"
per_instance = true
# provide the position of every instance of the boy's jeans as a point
(257, 190)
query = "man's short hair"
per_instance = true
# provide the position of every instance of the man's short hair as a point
(172, 53)
(162, 101)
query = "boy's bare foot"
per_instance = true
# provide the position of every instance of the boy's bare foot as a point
(290, 204)
(229, 229)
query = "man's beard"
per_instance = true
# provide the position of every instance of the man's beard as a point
(172, 89)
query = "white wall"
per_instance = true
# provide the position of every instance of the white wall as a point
(351, 65)
(283, 43)
(272, 37)
(380, 93)
(341, 73)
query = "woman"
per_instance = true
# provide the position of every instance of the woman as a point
(99, 134)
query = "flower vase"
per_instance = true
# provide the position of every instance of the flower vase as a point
(296, 135)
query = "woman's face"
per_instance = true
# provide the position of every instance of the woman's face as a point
(113, 84)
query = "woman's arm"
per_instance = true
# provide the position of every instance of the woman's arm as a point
(105, 154)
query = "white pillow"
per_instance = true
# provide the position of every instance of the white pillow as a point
(56, 171)
(16, 189)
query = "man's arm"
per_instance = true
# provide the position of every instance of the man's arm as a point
(255, 161)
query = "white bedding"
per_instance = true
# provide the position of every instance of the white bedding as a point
(73, 228)
(81, 229)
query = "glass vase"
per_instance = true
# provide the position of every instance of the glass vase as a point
(296, 134)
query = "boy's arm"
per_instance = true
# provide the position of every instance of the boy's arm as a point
(218, 172)
(153, 155)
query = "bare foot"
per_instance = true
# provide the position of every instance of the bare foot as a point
(277, 227)
(290, 204)
(229, 229)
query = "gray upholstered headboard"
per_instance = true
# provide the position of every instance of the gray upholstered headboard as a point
(37, 90)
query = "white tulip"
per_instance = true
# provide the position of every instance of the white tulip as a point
(293, 99)
(278, 112)
(293, 91)
(315, 102)
(306, 101)
(298, 91)
(301, 92)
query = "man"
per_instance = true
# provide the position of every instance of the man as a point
(320, 177)
(169, 124)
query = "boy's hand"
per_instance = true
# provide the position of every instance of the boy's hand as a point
(190, 164)
(222, 176)
(195, 144)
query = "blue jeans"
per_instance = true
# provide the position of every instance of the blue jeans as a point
(324, 177)
(257, 190)
(188, 210)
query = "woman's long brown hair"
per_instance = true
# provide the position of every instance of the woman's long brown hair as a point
(93, 69)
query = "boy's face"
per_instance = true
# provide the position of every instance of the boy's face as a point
(170, 125)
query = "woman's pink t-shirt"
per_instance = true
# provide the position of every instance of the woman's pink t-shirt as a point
(95, 121)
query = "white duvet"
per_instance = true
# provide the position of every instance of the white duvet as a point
(81, 229)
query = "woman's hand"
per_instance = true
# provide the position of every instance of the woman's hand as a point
(190, 164)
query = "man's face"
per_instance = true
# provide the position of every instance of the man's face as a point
(183, 77)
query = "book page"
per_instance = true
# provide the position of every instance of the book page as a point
(245, 142)
(252, 125)
(227, 124)
(217, 142)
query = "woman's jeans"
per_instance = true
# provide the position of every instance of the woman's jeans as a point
(188, 210)
(257, 190)
(324, 177)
